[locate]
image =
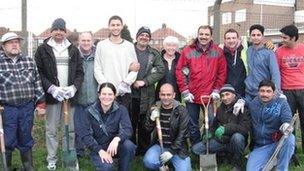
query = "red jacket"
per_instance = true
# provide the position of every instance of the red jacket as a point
(201, 72)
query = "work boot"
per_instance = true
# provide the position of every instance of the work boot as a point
(295, 159)
(27, 161)
(8, 156)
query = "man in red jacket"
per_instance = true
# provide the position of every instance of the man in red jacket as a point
(201, 70)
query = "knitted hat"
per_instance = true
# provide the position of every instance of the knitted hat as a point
(59, 23)
(143, 30)
(227, 87)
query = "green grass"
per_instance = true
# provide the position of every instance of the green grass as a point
(39, 155)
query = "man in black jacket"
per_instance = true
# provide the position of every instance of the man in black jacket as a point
(229, 132)
(174, 126)
(60, 67)
(235, 55)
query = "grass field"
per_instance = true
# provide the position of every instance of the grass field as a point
(39, 154)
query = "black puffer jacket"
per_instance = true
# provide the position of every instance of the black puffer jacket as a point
(169, 77)
(47, 68)
(236, 71)
(179, 120)
(232, 123)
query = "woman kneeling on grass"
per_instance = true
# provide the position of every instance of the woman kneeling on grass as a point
(105, 129)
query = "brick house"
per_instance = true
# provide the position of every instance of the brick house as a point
(241, 14)
(159, 35)
(101, 34)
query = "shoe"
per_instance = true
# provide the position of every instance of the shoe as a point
(296, 161)
(51, 166)
(27, 161)
(236, 169)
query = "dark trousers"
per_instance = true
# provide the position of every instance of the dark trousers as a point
(236, 146)
(142, 138)
(18, 124)
(126, 153)
(295, 100)
(125, 100)
(194, 112)
(79, 115)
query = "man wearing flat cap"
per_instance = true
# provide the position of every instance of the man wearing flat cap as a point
(20, 93)
(229, 131)
(151, 70)
(60, 67)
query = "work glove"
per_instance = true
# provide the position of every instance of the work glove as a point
(123, 88)
(165, 156)
(69, 91)
(154, 114)
(187, 96)
(282, 96)
(215, 95)
(239, 106)
(286, 128)
(57, 92)
(219, 132)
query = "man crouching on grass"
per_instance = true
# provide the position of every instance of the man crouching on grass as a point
(174, 126)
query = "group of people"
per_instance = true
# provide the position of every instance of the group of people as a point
(117, 90)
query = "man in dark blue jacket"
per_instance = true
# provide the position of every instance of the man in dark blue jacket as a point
(270, 115)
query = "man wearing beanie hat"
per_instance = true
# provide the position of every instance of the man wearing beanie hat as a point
(59, 23)
(143, 90)
(60, 67)
(229, 132)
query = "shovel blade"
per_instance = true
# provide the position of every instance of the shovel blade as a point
(208, 162)
(70, 161)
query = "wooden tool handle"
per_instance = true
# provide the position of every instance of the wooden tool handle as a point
(66, 111)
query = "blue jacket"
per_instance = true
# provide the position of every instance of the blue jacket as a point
(262, 64)
(267, 118)
(98, 129)
(87, 94)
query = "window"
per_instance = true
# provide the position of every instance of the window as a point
(226, 18)
(299, 16)
(240, 15)
(211, 20)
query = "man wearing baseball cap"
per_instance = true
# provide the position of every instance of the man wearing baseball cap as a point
(151, 70)
(20, 93)
(229, 131)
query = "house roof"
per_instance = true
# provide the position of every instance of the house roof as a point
(4, 30)
(102, 34)
(166, 31)
(47, 33)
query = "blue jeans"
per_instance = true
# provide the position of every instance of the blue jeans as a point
(152, 161)
(260, 155)
(126, 153)
(194, 129)
(18, 124)
(236, 146)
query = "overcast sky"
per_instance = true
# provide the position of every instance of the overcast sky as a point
(184, 16)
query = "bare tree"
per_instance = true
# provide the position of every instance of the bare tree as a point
(217, 20)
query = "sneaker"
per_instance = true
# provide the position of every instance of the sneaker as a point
(51, 166)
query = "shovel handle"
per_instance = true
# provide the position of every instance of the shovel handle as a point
(2, 131)
(159, 133)
(2, 142)
(66, 112)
